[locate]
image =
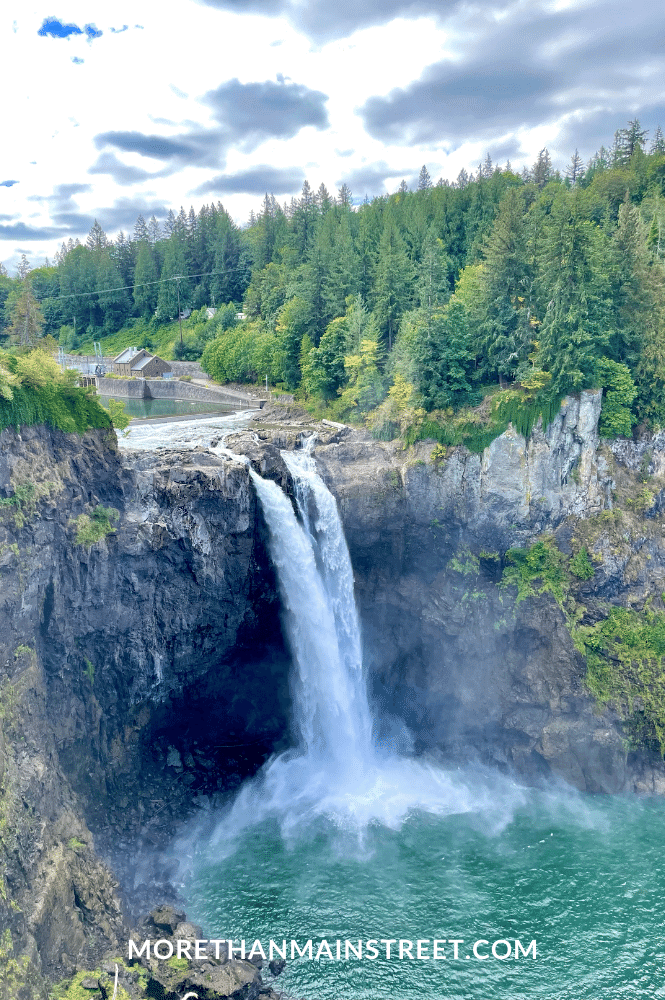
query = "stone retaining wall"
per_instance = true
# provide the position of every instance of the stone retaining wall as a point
(157, 388)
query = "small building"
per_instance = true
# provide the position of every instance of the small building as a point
(150, 366)
(122, 365)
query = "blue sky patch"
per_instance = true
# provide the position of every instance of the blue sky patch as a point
(119, 31)
(57, 29)
(77, 61)
(7, 184)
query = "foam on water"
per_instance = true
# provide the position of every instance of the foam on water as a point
(337, 772)
(182, 435)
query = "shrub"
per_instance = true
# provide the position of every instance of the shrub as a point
(95, 526)
(580, 566)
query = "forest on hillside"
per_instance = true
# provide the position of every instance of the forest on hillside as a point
(444, 311)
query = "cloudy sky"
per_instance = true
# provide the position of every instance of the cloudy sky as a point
(111, 110)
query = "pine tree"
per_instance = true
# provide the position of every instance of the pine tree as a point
(505, 302)
(394, 275)
(433, 281)
(323, 200)
(403, 187)
(123, 258)
(140, 230)
(541, 172)
(577, 324)
(175, 266)
(27, 319)
(344, 196)
(24, 268)
(111, 296)
(658, 143)
(631, 138)
(487, 168)
(154, 231)
(575, 170)
(146, 289)
(462, 180)
(169, 225)
(97, 239)
(424, 179)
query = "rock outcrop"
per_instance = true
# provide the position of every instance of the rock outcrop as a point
(143, 665)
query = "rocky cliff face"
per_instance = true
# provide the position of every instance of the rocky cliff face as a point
(130, 672)
(472, 669)
(147, 669)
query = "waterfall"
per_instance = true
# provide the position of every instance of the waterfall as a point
(336, 772)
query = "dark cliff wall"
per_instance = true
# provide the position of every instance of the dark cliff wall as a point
(137, 673)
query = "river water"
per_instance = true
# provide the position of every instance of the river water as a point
(342, 840)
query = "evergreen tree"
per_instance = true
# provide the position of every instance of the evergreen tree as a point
(440, 359)
(140, 230)
(631, 138)
(146, 289)
(433, 282)
(170, 224)
(541, 172)
(173, 285)
(424, 179)
(394, 275)
(123, 258)
(462, 179)
(575, 169)
(342, 266)
(577, 324)
(323, 200)
(344, 196)
(154, 231)
(97, 239)
(23, 268)
(112, 298)
(658, 143)
(25, 314)
(505, 303)
(304, 220)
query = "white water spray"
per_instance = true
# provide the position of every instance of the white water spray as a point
(336, 772)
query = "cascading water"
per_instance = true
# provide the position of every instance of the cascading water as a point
(336, 771)
(340, 839)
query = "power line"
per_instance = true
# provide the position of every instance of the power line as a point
(143, 284)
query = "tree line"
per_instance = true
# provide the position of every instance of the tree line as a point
(531, 284)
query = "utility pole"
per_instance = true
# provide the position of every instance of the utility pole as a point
(179, 313)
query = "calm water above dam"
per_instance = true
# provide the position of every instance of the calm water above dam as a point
(166, 407)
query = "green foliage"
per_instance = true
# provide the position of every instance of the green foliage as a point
(90, 528)
(468, 565)
(179, 964)
(89, 670)
(580, 565)
(625, 655)
(119, 418)
(40, 393)
(558, 287)
(619, 392)
(539, 569)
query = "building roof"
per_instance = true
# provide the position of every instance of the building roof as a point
(126, 355)
(144, 361)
